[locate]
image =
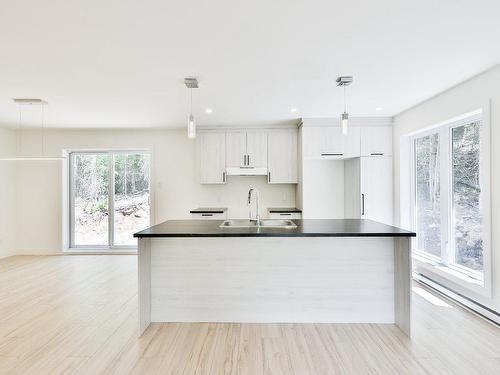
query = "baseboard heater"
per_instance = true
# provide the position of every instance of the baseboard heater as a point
(467, 303)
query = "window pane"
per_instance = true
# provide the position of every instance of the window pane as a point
(131, 203)
(90, 192)
(466, 196)
(427, 185)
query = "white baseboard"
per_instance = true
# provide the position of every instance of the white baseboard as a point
(476, 308)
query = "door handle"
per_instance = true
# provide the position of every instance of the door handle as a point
(362, 205)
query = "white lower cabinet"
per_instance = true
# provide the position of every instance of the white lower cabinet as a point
(285, 215)
(368, 189)
(209, 216)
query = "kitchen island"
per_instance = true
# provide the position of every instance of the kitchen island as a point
(320, 271)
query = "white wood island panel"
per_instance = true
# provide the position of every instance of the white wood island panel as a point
(275, 279)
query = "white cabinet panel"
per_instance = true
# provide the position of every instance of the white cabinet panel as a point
(368, 189)
(256, 149)
(246, 149)
(212, 154)
(352, 142)
(328, 142)
(236, 149)
(376, 141)
(282, 157)
(376, 189)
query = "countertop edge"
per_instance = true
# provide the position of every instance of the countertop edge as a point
(137, 235)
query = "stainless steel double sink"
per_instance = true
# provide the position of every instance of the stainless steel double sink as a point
(266, 223)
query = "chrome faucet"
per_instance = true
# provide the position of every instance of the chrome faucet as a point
(257, 216)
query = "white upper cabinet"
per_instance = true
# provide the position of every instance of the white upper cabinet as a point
(376, 141)
(236, 152)
(246, 149)
(282, 157)
(212, 157)
(328, 142)
(257, 149)
(352, 142)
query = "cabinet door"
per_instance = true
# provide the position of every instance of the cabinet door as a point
(257, 149)
(352, 142)
(282, 157)
(333, 142)
(376, 188)
(236, 145)
(322, 142)
(376, 141)
(212, 154)
(312, 139)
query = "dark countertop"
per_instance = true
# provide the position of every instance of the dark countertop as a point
(284, 209)
(305, 228)
(208, 210)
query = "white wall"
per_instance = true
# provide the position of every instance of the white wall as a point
(466, 97)
(7, 192)
(175, 182)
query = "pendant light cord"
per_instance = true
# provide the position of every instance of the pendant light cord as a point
(19, 135)
(43, 130)
(191, 92)
(345, 99)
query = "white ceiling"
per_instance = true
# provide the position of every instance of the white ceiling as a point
(121, 63)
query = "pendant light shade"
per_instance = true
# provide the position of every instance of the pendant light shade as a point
(344, 119)
(344, 122)
(191, 83)
(191, 127)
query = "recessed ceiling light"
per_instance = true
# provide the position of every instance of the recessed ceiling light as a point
(378, 109)
(293, 110)
(208, 110)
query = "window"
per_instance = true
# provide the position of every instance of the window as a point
(427, 187)
(466, 193)
(447, 198)
(109, 198)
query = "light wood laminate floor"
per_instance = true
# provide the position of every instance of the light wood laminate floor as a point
(78, 315)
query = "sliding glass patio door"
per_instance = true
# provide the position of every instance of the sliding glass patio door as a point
(109, 198)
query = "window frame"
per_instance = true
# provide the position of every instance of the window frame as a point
(446, 266)
(69, 186)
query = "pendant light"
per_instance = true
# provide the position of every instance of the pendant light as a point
(22, 103)
(191, 83)
(344, 81)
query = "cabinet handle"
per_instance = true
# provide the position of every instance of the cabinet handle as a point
(224, 176)
(332, 154)
(248, 159)
(268, 177)
(207, 214)
(285, 214)
(244, 160)
(362, 205)
(377, 154)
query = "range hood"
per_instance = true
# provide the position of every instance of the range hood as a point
(246, 171)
